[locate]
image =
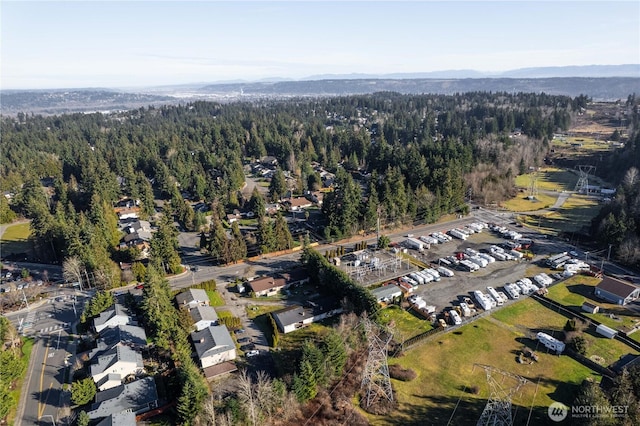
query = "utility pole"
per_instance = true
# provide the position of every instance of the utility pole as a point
(608, 257)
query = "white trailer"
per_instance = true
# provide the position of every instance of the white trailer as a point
(426, 277)
(516, 254)
(503, 296)
(412, 243)
(458, 234)
(499, 255)
(487, 257)
(443, 261)
(455, 317)
(551, 342)
(496, 249)
(494, 294)
(470, 252)
(479, 261)
(428, 240)
(524, 287)
(433, 273)
(417, 277)
(482, 300)
(466, 311)
(469, 266)
(512, 290)
(445, 271)
(542, 279)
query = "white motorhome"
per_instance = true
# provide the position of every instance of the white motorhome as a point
(455, 317)
(445, 271)
(551, 342)
(458, 234)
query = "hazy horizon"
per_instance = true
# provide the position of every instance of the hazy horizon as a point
(53, 45)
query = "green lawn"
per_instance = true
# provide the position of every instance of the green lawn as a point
(215, 298)
(254, 311)
(447, 369)
(405, 323)
(16, 239)
(522, 204)
(549, 179)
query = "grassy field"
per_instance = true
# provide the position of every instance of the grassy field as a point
(587, 144)
(16, 239)
(550, 179)
(447, 371)
(406, 324)
(578, 289)
(254, 311)
(522, 204)
(447, 368)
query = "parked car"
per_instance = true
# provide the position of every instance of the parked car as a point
(140, 286)
(239, 331)
(247, 348)
(253, 353)
(244, 340)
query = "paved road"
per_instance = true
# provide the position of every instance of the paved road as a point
(48, 323)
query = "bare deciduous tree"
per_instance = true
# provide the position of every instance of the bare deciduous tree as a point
(630, 177)
(247, 397)
(72, 270)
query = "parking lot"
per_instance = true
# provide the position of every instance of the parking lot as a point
(448, 290)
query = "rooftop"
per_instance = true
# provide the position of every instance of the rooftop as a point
(132, 396)
(192, 295)
(267, 283)
(114, 355)
(212, 340)
(295, 314)
(115, 310)
(206, 313)
(618, 287)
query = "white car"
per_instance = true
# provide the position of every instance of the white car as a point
(253, 353)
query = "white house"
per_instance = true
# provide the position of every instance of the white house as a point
(294, 317)
(111, 368)
(213, 345)
(123, 335)
(203, 317)
(193, 297)
(116, 315)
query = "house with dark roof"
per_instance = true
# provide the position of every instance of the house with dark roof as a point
(193, 297)
(109, 369)
(116, 315)
(616, 291)
(138, 397)
(267, 286)
(296, 276)
(213, 345)
(203, 317)
(294, 317)
(123, 418)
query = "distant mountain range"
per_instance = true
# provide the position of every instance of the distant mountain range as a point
(600, 82)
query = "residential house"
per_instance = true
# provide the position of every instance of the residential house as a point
(269, 161)
(116, 315)
(296, 277)
(193, 297)
(109, 369)
(123, 418)
(294, 317)
(213, 345)
(234, 217)
(296, 204)
(125, 335)
(127, 212)
(617, 291)
(267, 286)
(203, 317)
(138, 397)
(271, 208)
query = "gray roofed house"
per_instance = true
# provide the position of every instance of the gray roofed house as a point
(116, 315)
(138, 397)
(294, 317)
(110, 369)
(127, 335)
(213, 345)
(203, 317)
(193, 297)
(123, 418)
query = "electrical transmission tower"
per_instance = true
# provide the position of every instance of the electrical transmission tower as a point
(533, 185)
(375, 380)
(583, 179)
(497, 412)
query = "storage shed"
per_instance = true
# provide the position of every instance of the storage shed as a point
(590, 308)
(606, 331)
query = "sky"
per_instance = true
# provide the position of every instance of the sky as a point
(121, 44)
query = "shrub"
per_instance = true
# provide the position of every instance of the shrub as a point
(402, 374)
